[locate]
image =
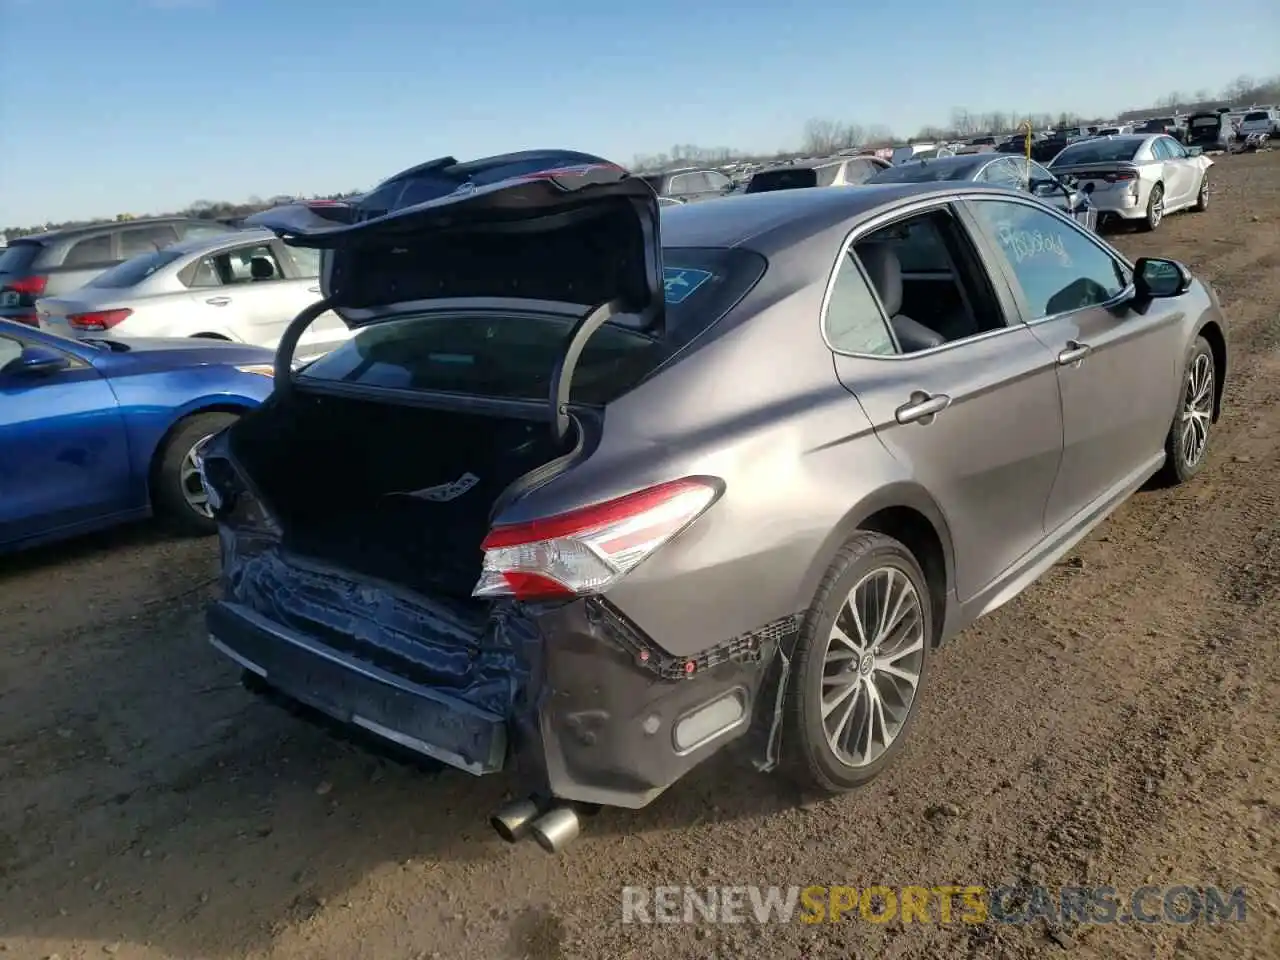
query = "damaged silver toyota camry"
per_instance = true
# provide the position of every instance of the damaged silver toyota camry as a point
(591, 494)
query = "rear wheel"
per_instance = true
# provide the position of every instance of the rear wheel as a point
(177, 494)
(862, 657)
(1155, 208)
(1187, 443)
(1202, 198)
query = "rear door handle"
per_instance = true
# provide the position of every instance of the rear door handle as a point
(1074, 353)
(218, 301)
(922, 407)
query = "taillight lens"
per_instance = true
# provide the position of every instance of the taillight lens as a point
(28, 286)
(1120, 176)
(98, 319)
(585, 551)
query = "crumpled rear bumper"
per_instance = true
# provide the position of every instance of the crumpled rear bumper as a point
(360, 693)
(589, 710)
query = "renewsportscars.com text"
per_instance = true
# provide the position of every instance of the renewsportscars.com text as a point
(1179, 904)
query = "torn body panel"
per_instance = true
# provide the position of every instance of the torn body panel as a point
(582, 704)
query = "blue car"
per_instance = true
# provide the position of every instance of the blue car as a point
(98, 432)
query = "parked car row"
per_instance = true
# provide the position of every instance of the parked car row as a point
(243, 286)
(51, 264)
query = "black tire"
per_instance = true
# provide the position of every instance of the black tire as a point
(1155, 209)
(1181, 463)
(1202, 198)
(808, 759)
(167, 497)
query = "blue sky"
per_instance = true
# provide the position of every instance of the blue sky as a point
(109, 106)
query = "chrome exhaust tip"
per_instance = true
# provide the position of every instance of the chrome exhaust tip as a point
(556, 829)
(512, 820)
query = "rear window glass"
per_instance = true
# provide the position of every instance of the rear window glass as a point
(513, 357)
(18, 257)
(1098, 151)
(1205, 122)
(916, 171)
(134, 271)
(788, 178)
(1258, 115)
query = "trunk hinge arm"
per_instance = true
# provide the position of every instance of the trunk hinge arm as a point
(283, 366)
(562, 375)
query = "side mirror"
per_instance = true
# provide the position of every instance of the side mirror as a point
(1154, 279)
(37, 361)
(1195, 151)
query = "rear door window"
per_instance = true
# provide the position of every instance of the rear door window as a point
(854, 322)
(826, 176)
(859, 171)
(684, 184)
(236, 266)
(716, 181)
(514, 357)
(136, 242)
(920, 247)
(202, 274)
(1002, 173)
(307, 260)
(89, 252)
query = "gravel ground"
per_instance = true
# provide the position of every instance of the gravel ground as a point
(1116, 724)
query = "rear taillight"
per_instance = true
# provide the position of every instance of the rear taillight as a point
(1119, 176)
(32, 286)
(98, 319)
(585, 551)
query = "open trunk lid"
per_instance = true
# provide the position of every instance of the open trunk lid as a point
(549, 229)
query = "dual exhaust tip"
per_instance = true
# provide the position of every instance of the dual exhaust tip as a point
(552, 827)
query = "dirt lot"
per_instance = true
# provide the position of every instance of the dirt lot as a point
(1117, 724)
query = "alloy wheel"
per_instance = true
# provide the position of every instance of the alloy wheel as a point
(1203, 200)
(1197, 409)
(193, 491)
(1156, 212)
(872, 666)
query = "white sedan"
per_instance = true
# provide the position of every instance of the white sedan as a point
(1140, 177)
(243, 286)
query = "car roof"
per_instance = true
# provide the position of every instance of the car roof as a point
(104, 227)
(771, 220)
(957, 160)
(231, 238)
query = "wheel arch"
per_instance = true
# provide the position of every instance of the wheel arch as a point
(157, 452)
(910, 515)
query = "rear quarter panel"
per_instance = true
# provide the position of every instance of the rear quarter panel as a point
(761, 408)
